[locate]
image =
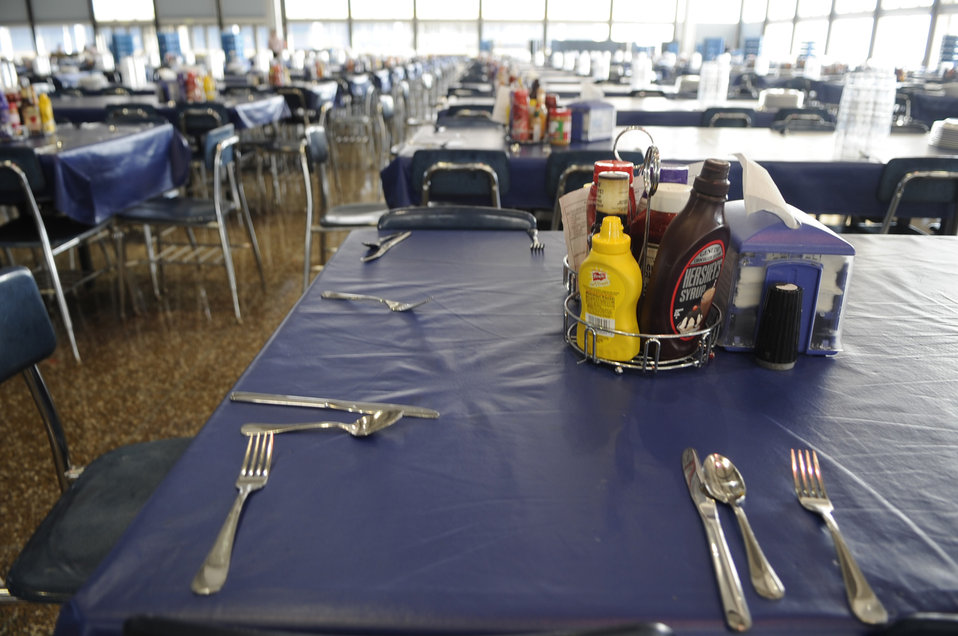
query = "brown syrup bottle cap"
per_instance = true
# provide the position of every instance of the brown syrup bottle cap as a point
(713, 179)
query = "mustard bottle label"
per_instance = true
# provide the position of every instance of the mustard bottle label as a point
(692, 296)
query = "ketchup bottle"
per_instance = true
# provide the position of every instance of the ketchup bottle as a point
(689, 260)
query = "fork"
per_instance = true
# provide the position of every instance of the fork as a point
(537, 245)
(810, 490)
(394, 305)
(374, 245)
(253, 475)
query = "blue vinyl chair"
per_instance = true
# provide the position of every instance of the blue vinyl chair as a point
(22, 185)
(571, 169)
(922, 180)
(192, 213)
(731, 117)
(314, 156)
(457, 217)
(98, 501)
(454, 175)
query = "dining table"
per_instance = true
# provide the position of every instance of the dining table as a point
(652, 110)
(96, 170)
(245, 112)
(549, 492)
(809, 168)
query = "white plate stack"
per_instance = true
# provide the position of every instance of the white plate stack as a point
(944, 133)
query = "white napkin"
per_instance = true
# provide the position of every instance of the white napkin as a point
(761, 193)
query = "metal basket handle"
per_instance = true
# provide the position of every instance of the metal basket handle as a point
(652, 164)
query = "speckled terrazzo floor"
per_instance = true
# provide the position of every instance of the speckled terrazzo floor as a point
(153, 375)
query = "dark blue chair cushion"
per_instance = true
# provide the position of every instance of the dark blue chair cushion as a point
(26, 335)
(89, 518)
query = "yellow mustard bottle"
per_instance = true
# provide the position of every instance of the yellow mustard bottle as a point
(610, 283)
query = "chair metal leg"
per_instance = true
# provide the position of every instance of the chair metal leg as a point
(308, 190)
(239, 194)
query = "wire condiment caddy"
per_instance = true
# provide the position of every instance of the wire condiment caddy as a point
(648, 360)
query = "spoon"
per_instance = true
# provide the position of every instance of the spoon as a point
(365, 425)
(724, 482)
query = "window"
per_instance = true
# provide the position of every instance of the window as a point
(631, 11)
(16, 42)
(383, 38)
(777, 43)
(596, 31)
(511, 38)
(512, 10)
(810, 37)
(446, 10)
(66, 38)
(753, 11)
(905, 4)
(445, 38)
(715, 11)
(854, 6)
(123, 10)
(381, 10)
(900, 41)
(781, 9)
(814, 8)
(317, 35)
(850, 40)
(312, 10)
(643, 34)
(576, 11)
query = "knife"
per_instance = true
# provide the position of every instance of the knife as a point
(327, 403)
(386, 246)
(737, 615)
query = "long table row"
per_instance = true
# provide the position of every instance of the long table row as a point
(801, 164)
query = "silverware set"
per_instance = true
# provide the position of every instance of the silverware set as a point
(718, 480)
(254, 472)
(383, 245)
(393, 305)
(537, 245)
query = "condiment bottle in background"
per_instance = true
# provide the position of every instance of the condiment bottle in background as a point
(609, 286)
(29, 113)
(669, 199)
(519, 128)
(679, 292)
(608, 165)
(47, 122)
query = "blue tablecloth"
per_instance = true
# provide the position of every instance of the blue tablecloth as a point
(263, 109)
(98, 172)
(807, 177)
(549, 494)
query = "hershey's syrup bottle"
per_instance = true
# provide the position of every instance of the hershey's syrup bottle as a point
(690, 258)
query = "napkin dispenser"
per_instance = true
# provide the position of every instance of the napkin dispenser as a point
(592, 120)
(764, 250)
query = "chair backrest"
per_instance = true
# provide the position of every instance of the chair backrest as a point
(456, 174)
(26, 339)
(457, 217)
(212, 140)
(809, 114)
(12, 191)
(727, 117)
(26, 334)
(195, 120)
(943, 189)
(317, 146)
(133, 113)
(295, 99)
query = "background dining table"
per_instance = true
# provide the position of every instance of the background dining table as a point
(802, 164)
(257, 110)
(97, 170)
(549, 493)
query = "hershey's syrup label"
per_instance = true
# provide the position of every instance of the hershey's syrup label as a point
(692, 296)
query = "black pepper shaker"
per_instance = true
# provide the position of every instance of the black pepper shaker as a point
(776, 345)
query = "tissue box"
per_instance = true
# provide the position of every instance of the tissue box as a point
(592, 120)
(763, 251)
